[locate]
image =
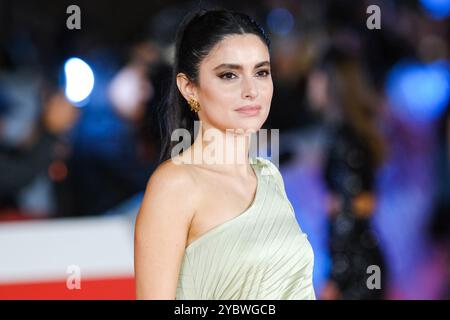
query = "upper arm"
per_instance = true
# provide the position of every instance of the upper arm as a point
(161, 231)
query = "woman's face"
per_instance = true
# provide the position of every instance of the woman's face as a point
(235, 74)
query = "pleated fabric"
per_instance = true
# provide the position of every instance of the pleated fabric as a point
(261, 254)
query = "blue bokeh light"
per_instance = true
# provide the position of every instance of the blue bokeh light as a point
(419, 92)
(280, 21)
(438, 9)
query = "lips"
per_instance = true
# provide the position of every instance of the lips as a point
(249, 110)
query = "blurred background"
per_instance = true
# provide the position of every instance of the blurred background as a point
(364, 128)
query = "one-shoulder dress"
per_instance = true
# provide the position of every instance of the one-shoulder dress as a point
(261, 254)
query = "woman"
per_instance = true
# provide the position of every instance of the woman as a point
(219, 231)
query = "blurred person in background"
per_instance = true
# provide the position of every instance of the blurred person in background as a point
(355, 150)
(137, 90)
(41, 153)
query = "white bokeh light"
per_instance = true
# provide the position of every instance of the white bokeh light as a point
(79, 80)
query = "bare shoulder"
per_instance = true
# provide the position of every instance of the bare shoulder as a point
(173, 183)
(171, 174)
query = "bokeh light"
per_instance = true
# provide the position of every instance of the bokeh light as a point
(280, 21)
(438, 9)
(419, 92)
(79, 81)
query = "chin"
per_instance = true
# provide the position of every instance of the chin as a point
(250, 126)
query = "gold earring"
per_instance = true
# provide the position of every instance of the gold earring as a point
(194, 105)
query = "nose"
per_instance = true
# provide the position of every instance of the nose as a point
(249, 88)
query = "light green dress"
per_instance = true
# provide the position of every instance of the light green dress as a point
(260, 254)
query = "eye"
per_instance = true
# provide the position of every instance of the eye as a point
(227, 76)
(263, 73)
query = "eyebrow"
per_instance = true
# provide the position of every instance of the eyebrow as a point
(239, 67)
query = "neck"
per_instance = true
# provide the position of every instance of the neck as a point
(221, 150)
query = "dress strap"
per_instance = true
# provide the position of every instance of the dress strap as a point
(268, 168)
